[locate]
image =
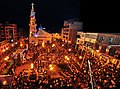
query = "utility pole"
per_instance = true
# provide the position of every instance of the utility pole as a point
(91, 80)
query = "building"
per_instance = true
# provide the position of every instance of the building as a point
(108, 43)
(32, 23)
(41, 36)
(69, 30)
(4, 46)
(2, 32)
(55, 36)
(80, 38)
(35, 35)
(88, 39)
(8, 32)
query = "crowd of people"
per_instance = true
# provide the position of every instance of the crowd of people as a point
(105, 74)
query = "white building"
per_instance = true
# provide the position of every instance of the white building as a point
(81, 38)
(55, 36)
(69, 30)
(91, 37)
(41, 36)
(85, 38)
(35, 35)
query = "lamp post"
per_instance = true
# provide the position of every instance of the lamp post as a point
(90, 74)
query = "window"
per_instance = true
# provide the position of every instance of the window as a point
(81, 41)
(66, 33)
(111, 39)
(63, 36)
(87, 35)
(67, 30)
(78, 36)
(82, 35)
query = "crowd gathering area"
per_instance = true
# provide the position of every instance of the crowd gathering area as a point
(59, 65)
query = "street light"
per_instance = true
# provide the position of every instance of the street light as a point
(43, 44)
(12, 45)
(51, 68)
(53, 45)
(66, 57)
(32, 65)
(3, 50)
(6, 58)
(69, 49)
(7, 48)
(80, 57)
(4, 82)
(90, 74)
(21, 45)
(36, 44)
(97, 51)
(50, 65)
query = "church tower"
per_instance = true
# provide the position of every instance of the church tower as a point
(32, 23)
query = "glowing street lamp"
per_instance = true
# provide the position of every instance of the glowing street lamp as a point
(12, 45)
(97, 50)
(7, 48)
(50, 65)
(66, 57)
(43, 44)
(80, 57)
(11, 40)
(21, 45)
(53, 45)
(3, 50)
(15, 42)
(107, 50)
(6, 58)
(36, 44)
(32, 65)
(51, 68)
(4, 82)
(69, 49)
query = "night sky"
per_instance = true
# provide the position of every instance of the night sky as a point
(50, 13)
(96, 15)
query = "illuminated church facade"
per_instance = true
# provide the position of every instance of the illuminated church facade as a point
(35, 35)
